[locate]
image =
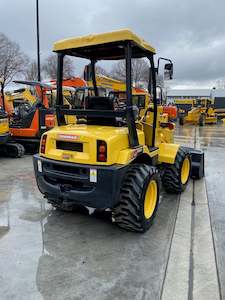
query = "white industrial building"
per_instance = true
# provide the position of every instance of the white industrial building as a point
(174, 94)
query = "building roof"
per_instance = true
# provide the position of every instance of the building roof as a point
(189, 93)
(106, 45)
(218, 93)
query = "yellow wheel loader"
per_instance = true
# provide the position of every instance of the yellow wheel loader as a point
(113, 160)
(184, 105)
(202, 113)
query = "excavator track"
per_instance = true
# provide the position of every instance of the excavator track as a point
(13, 150)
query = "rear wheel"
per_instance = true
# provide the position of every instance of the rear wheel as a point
(181, 120)
(175, 176)
(202, 120)
(139, 197)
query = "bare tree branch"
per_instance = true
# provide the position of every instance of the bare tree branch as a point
(50, 67)
(12, 59)
(101, 71)
(31, 72)
(140, 70)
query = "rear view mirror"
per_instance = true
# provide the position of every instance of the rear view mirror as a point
(168, 71)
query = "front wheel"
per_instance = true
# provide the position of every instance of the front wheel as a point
(139, 197)
(175, 176)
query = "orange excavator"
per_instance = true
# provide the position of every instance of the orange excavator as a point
(170, 110)
(75, 82)
(28, 123)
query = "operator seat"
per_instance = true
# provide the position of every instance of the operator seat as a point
(25, 118)
(100, 103)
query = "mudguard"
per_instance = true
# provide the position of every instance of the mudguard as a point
(198, 163)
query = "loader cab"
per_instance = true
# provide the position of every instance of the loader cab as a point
(101, 107)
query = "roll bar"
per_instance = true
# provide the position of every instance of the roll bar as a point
(133, 137)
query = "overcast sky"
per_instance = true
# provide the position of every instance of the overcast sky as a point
(190, 32)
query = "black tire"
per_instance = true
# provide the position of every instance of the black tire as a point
(181, 120)
(202, 120)
(15, 150)
(171, 173)
(129, 212)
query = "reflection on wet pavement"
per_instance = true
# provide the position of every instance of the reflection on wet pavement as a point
(212, 140)
(48, 254)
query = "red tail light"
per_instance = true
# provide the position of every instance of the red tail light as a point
(101, 151)
(170, 126)
(43, 143)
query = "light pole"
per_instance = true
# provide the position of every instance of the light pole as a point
(38, 42)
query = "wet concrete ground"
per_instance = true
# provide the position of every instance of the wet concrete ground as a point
(213, 143)
(48, 254)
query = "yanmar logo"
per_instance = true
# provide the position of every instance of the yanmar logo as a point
(68, 137)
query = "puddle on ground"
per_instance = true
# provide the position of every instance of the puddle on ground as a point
(4, 230)
(34, 214)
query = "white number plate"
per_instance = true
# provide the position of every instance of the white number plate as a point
(39, 166)
(93, 175)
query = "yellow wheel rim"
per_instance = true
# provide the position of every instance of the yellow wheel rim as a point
(150, 199)
(185, 170)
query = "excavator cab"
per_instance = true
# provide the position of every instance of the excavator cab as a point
(28, 123)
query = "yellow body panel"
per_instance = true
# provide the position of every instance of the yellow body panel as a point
(164, 135)
(168, 152)
(185, 101)
(4, 126)
(102, 38)
(115, 137)
(128, 155)
(108, 83)
(26, 95)
(194, 115)
(70, 119)
(118, 151)
(211, 120)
